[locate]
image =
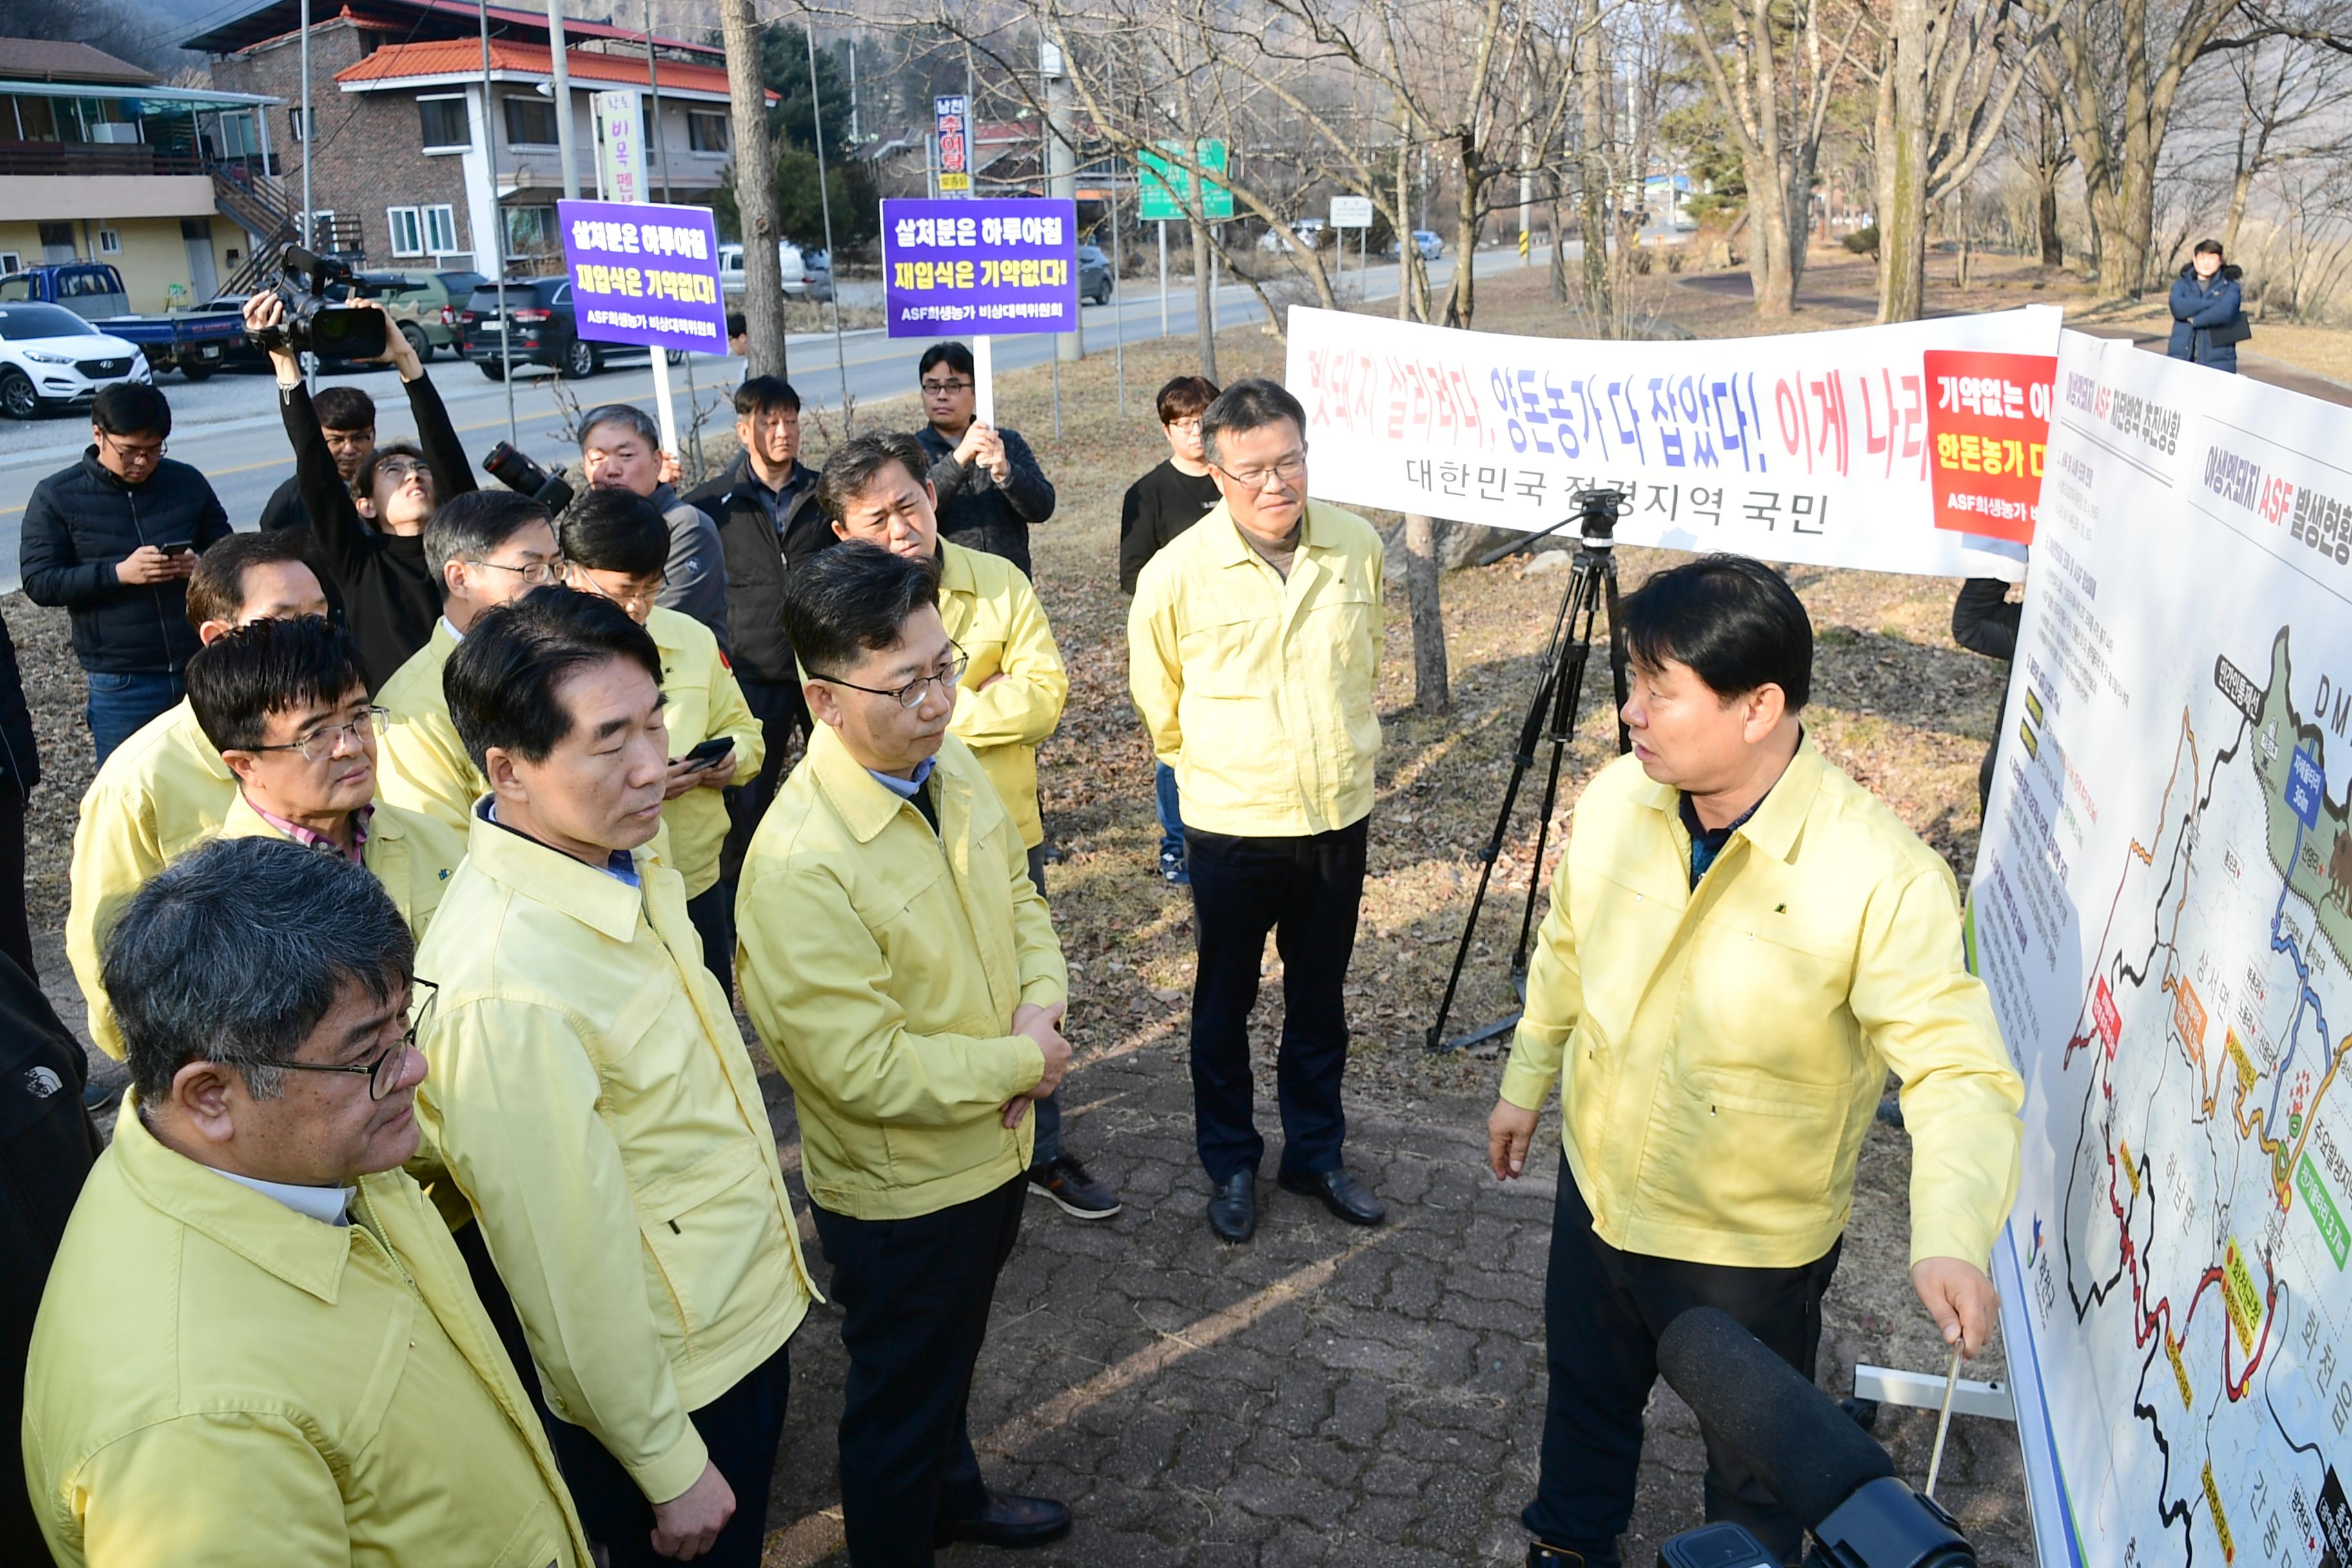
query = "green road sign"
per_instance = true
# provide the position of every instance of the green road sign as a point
(1167, 187)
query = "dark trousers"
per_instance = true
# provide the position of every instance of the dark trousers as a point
(713, 911)
(15, 930)
(780, 710)
(120, 705)
(1305, 891)
(1603, 1311)
(915, 1296)
(741, 1429)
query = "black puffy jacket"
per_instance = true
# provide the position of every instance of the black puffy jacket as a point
(83, 522)
(758, 554)
(20, 759)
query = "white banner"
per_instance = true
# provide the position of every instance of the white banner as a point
(2162, 909)
(1905, 448)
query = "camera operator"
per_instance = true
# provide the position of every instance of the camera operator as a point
(347, 421)
(1742, 941)
(391, 597)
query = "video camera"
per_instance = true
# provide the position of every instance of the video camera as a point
(315, 323)
(507, 464)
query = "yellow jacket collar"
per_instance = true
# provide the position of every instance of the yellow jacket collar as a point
(1781, 816)
(530, 869)
(1233, 549)
(865, 807)
(307, 1254)
(955, 571)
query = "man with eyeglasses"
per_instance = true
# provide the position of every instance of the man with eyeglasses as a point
(1008, 700)
(166, 789)
(486, 548)
(903, 972)
(590, 1096)
(990, 486)
(258, 1341)
(620, 448)
(1254, 647)
(111, 541)
(284, 704)
(369, 527)
(615, 545)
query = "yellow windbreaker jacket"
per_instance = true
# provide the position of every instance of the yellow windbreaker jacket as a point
(993, 613)
(420, 763)
(702, 702)
(411, 855)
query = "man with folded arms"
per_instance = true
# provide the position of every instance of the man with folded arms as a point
(1253, 645)
(590, 1096)
(257, 1342)
(165, 789)
(284, 704)
(903, 972)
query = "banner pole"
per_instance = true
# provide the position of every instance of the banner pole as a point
(1163, 277)
(983, 382)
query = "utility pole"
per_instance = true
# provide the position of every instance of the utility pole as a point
(1061, 171)
(755, 190)
(567, 146)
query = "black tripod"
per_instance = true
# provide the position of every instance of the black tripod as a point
(1592, 587)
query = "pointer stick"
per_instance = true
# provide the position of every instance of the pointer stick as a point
(1944, 1421)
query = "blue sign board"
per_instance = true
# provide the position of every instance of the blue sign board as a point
(986, 265)
(644, 274)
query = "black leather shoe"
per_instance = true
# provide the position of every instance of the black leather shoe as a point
(1341, 1194)
(1232, 1207)
(1008, 1521)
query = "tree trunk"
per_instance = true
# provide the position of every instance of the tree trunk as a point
(1429, 688)
(1593, 165)
(1463, 299)
(1903, 168)
(755, 190)
(1559, 279)
(1768, 245)
(1204, 299)
(1408, 248)
(2053, 247)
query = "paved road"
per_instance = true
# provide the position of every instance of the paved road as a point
(228, 427)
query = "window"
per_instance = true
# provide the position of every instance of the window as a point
(440, 229)
(705, 133)
(294, 123)
(407, 233)
(531, 231)
(11, 261)
(237, 135)
(531, 123)
(444, 126)
(109, 242)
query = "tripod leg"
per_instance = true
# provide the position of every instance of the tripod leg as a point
(1519, 765)
(1585, 585)
(1617, 671)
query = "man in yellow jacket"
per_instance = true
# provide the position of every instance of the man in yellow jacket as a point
(1742, 941)
(878, 489)
(616, 543)
(1254, 648)
(590, 1096)
(487, 547)
(258, 1343)
(284, 704)
(903, 972)
(166, 789)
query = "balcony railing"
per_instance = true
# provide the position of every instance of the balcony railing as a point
(73, 160)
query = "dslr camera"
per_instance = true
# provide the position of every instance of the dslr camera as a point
(315, 322)
(511, 469)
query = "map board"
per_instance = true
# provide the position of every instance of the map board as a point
(2162, 908)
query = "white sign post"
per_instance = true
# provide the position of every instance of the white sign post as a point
(1356, 213)
(621, 174)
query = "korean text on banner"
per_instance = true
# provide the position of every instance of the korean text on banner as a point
(953, 113)
(1888, 448)
(985, 265)
(644, 273)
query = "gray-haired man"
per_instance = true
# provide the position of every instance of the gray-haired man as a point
(621, 449)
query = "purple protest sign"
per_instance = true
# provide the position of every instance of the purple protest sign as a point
(991, 265)
(644, 274)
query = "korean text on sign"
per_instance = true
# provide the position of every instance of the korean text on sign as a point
(991, 265)
(1988, 429)
(645, 275)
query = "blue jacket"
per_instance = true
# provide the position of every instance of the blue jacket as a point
(2197, 305)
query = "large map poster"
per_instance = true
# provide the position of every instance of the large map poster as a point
(2163, 911)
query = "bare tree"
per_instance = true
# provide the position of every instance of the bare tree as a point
(755, 189)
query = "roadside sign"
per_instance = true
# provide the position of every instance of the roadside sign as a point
(644, 274)
(1352, 211)
(620, 145)
(954, 114)
(1167, 186)
(984, 264)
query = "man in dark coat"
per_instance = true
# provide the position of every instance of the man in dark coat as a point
(2208, 310)
(990, 486)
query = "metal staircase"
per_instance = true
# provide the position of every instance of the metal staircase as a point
(259, 204)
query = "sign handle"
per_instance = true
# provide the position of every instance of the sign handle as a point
(668, 415)
(983, 382)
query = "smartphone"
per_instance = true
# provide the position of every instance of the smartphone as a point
(176, 550)
(710, 752)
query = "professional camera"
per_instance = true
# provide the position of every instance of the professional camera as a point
(517, 472)
(314, 322)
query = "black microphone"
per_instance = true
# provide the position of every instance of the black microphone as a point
(1806, 1451)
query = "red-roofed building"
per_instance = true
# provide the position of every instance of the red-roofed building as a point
(418, 158)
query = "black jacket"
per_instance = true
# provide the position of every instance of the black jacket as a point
(390, 599)
(1985, 622)
(20, 759)
(759, 552)
(83, 522)
(1161, 505)
(978, 513)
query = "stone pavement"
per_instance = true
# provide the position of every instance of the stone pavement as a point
(1325, 1394)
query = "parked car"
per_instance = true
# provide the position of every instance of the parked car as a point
(1429, 243)
(1096, 280)
(418, 303)
(51, 358)
(806, 275)
(190, 341)
(1300, 233)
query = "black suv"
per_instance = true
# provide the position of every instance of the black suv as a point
(541, 328)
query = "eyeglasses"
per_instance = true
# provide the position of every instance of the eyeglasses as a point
(937, 387)
(536, 573)
(911, 694)
(400, 470)
(154, 453)
(1288, 470)
(640, 597)
(383, 1069)
(320, 743)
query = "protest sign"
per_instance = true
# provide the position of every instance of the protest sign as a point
(953, 113)
(1914, 448)
(983, 265)
(644, 274)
